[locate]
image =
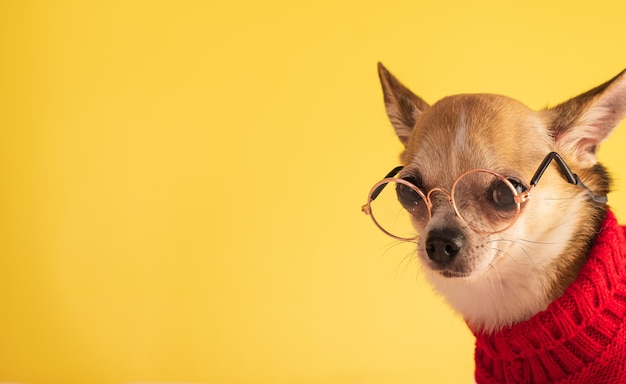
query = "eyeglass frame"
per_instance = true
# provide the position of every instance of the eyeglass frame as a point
(519, 198)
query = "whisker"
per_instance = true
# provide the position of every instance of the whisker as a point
(407, 260)
(497, 273)
(540, 242)
(505, 253)
(526, 249)
(397, 243)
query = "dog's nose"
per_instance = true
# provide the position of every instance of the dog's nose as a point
(442, 246)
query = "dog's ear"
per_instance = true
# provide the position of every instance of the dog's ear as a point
(581, 123)
(403, 106)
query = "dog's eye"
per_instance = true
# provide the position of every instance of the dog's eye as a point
(407, 196)
(502, 195)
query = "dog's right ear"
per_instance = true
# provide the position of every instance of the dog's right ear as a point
(403, 106)
(585, 121)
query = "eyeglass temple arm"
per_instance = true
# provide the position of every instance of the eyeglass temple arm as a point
(571, 177)
(378, 190)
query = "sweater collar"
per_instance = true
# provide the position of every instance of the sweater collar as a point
(574, 318)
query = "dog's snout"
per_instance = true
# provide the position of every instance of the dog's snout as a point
(442, 246)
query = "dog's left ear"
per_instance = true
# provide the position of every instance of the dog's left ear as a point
(581, 123)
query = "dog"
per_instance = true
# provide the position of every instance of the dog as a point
(511, 225)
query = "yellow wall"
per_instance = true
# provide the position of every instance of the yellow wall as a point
(181, 182)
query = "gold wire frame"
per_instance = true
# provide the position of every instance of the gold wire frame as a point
(519, 198)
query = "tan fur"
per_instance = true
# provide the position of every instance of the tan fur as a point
(501, 279)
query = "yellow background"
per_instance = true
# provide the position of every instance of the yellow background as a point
(181, 181)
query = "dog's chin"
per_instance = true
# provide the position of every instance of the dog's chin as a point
(456, 271)
(452, 271)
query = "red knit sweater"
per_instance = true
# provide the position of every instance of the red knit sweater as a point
(579, 338)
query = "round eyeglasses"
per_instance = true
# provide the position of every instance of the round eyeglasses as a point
(483, 199)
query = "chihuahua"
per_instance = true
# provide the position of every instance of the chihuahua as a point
(505, 203)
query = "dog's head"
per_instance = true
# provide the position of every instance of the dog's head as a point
(490, 206)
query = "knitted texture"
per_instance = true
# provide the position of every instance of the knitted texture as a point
(579, 338)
